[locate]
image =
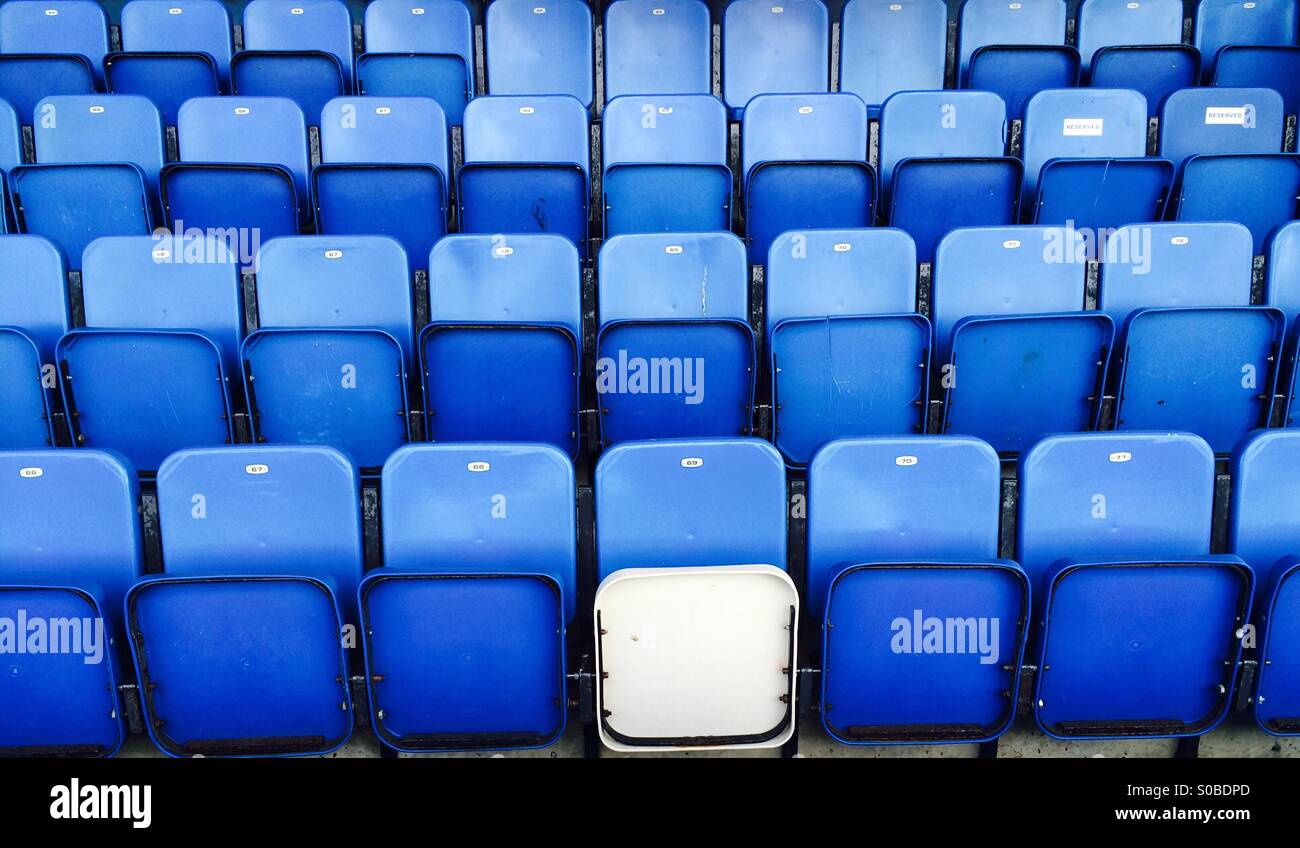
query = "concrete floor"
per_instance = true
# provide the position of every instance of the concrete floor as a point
(1237, 737)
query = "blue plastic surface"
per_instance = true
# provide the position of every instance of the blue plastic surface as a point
(1016, 356)
(1139, 621)
(848, 354)
(675, 353)
(939, 124)
(26, 424)
(1016, 74)
(933, 197)
(1223, 22)
(882, 564)
(467, 661)
(887, 47)
(248, 131)
(497, 302)
(465, 622)
(770, 49)
(526, 167)
(1198, 121)
(329, 363)
(658, 47)
(995, 22)
(1257, 190)
(270, 680)
(263, 510)
(166, 283)
(1123, 23)
(1100, 195)
(804, 157)
(100, 128)
(540, 49)
(74, 204)
(172, 51)
(504, 508)
(419, 49)
(1170, 287)
(1154, 71)
(1278, 68)
(62, 702)
(1086, 123)
(690, 502)
(384, 171)
(178, 26)
(665, 164)
(300, 27)
(25, 79)
(75, 27)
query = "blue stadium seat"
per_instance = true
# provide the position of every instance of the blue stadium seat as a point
(848, 354)
(805, 166)
(275, 533)
(534, 49)
(526, 167)
(1283, 291)
(419, 49)
(464, 625)
(502, 353)
(172, 50)
(1016, 356)
(1217, 137)
(49, 48)
(773, 49)
(1154, 71)
(1017, 73)
(329, 362)
(384, 171)
(1203, 121)
(942, 165)
(1220, 23)
(1137, 619)
(243, 166)
(1170, 289)
(669, 305)
(100, 128)
(1124, 24)
(33, 316)
(1259, 191)
(692, 549)
(99, 157)
(665, 164)
(985, 23)
(1278, 68)
(658, 47)
(152, 371)
(69, 549)
(1084, 165)
(902, 547)
(1263, 530)
(887, 47)
(300, 50)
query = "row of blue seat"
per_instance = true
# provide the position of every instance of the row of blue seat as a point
(244, 166)
(173, 50)
(335, 356)
(463, 629)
